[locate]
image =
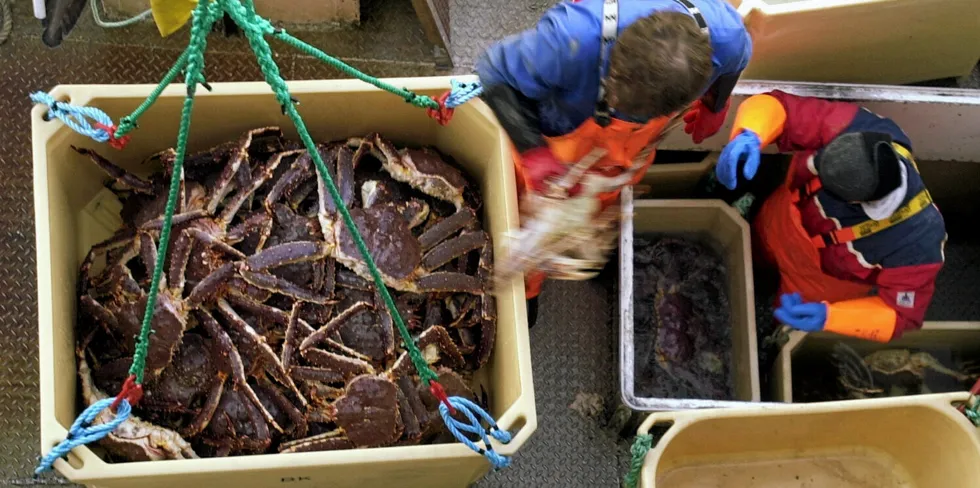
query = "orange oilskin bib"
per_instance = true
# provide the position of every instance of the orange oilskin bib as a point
(786, 244)
(624, 142)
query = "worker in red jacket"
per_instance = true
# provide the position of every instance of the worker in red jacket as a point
(853, 231)
(610, 75)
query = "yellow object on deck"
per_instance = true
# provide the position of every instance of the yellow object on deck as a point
(171, 15)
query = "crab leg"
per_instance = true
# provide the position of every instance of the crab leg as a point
(247, 333)
(329, 156)
(413, 430)
(260, 310)
(148, 254)
(289, 253)
(449, 282)
(203, 418)
(262, 222)
(316, 374)
(387, 328)
(275, 284)
(178, 263)
(256, 413)
(235, 362)
(328, 441)
(212, 241)
(297, 174)
(231, 207)
(324, 332)
(363, 147)
(432, 342)
(102, 315)
(446, 227)
(289, 345)
(348, 279)
(178, 219)
(439, 336)
(452, 249)
(295, 416)
(118, 174)
(345, 174)
(225, 183)
(297, 197)
(211, 285)
(348, 367)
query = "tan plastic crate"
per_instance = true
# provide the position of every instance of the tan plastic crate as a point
(861, 41)
(678, 180)
(64, 183)
(728, 233)
(912, 442)
(960, 336)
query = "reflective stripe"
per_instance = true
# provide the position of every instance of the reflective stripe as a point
(840, 236)
(921, 201)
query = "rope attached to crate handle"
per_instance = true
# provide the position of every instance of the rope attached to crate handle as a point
(641, 446)
(191, 62)
(83, 432)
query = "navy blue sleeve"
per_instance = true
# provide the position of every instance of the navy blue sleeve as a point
(868, 121)
(537, 61)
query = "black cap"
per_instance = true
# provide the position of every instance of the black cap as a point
(859, 166)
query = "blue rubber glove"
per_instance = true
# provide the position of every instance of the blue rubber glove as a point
(744, 147)
(808, 317)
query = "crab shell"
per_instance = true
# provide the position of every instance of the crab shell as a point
(134, 439)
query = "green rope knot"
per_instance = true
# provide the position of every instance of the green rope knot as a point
(641, 446)
(420, 101)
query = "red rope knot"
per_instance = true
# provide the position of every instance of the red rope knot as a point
(436, 389)
(119, 143)
(130, 391)
(444, 114)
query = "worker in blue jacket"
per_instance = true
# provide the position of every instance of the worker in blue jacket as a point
(611, 75)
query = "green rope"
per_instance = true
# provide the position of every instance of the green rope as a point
(128, 123)
(415, 99)
(641, 446)
(251, 24)
(195, 65)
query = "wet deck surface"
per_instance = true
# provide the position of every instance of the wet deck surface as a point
(574, 345)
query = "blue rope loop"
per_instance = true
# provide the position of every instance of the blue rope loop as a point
(460, 93)
(82, 433)
(474, 426)
(76, 118)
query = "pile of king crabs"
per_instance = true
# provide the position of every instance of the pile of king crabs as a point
(269, 334)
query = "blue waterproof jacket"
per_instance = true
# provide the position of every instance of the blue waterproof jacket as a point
(556, 63)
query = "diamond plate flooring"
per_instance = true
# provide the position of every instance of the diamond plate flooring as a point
(574, 345)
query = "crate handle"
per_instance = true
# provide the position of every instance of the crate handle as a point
(644, 445)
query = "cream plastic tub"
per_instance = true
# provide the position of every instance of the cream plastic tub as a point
(962, 337)
(912, 442)
(861, 41)
(728, 232)
(65, 183)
